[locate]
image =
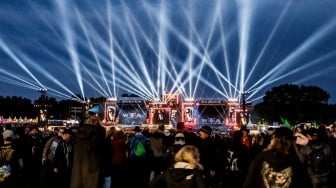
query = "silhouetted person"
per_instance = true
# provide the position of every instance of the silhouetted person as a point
(278, 165)
(89, 148)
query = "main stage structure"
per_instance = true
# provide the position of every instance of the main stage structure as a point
(172, 108)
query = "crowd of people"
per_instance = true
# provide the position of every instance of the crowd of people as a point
(90, 156)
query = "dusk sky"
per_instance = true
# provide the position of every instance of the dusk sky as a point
(199, 48)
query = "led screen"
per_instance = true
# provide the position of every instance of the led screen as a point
(161, 116)
(132, 114)
(210, 114)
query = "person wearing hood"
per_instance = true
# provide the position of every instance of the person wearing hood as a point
(89, 154)
(185, 173)
(278, 165)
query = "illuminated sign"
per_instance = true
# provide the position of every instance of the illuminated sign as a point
(173, 98)
(131, 102)
(211, 101)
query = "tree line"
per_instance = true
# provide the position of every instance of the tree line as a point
(293, 104)
(17, 106)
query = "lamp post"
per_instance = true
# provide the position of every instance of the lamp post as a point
(86, 109)
(43, 110)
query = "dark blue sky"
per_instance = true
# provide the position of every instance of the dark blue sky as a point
(198, 48)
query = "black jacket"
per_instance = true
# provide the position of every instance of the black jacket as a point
(274, 169)
(179, 178)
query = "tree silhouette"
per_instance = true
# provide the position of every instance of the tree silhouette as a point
(295, 104)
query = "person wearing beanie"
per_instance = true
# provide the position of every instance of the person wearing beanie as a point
(207, 149)
(206, 129)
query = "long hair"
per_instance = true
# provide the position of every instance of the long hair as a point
(190, 155)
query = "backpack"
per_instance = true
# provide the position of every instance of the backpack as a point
(317, 161)
(139, 149)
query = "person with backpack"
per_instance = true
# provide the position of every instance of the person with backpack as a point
(138, 159)
(137, 144)
(316, 154)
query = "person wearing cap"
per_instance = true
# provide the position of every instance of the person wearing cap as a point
(63, 159)
(207, 151)
(48, 156)
(11, 163)
(50, 147)
(278, 165)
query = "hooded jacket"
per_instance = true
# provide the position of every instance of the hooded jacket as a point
(180, 176)
(274, 169)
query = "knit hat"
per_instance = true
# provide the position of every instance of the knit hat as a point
(206, 129)
(67, 131)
